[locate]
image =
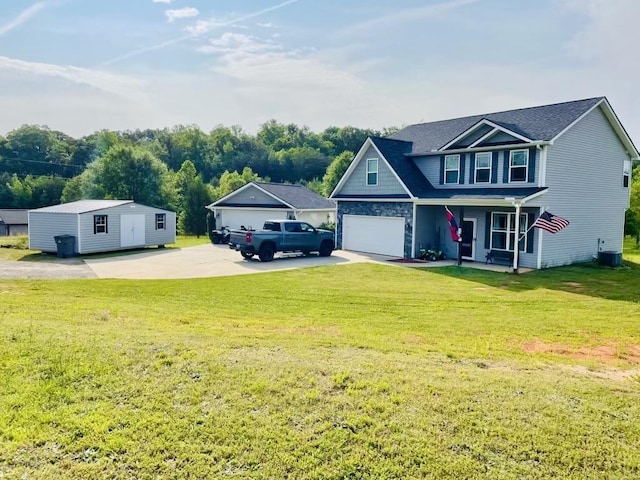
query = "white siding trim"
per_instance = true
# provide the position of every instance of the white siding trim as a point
(413, 231)
(539, 259)
(482, 122)
(542, 171)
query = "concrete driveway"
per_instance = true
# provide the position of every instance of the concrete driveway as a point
(209, 261)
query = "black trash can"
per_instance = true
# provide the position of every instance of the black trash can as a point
(66, 245)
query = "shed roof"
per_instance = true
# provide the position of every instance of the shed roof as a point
(82, 206)
(14, 216)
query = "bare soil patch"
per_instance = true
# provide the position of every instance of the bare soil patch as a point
(606, 353)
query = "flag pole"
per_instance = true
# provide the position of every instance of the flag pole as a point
(530, 227)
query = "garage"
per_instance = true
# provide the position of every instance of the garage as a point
(234, 218)
(382, 235)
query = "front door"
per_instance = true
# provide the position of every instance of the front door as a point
(132, 230)
(468, 238)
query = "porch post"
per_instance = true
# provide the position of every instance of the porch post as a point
(516, 237)
(461, 217)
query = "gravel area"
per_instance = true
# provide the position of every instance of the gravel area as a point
(49, 269)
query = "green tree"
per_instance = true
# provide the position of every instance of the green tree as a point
(126, 172)
(193, 216)
(21, 192)
(335, 170)
(231, 181)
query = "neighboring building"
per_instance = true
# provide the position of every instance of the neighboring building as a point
(497, 173)
(13, 221)
(101, 226)
(255, 202)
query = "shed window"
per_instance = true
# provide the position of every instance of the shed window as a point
(452, 169)
(626, 173)
(161, 221)
(100, 224)
(483, 167)
(372, 171)
(518, 165)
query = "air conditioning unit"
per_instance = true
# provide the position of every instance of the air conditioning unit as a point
(610, 258)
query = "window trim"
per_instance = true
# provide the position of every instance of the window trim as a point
(161, 218)
(489, 168)
(457, 170)
(372, 172)
(100, 228)
(512, 167)
(626, 174)
(511, 223)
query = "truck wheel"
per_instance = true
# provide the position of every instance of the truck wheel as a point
(266, 253)
(326, 248)
(246, 255)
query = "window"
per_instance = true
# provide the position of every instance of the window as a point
(161, 221)
(626, 173)
(518, 165)
(452, 169)
(503, 227)
(292, 227)
(372, 171)
(483, 167)
(100, 224)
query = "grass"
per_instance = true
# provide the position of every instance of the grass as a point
(358, 371)
(17, 248)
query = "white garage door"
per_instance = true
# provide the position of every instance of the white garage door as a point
(383, 235)
(248, 218)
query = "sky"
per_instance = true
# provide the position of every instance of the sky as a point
(79, 66)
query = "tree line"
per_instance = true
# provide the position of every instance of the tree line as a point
(180, 168)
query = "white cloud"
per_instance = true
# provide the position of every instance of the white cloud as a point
(22, 17)
(107, 82)
(399, 17)
(186, 12)
(265, 25)
(162, 1)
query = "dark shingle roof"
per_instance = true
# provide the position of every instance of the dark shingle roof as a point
(297, 196)
(14, 216)
(394, 152)
(537, 123)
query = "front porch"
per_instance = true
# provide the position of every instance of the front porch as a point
(415, 263)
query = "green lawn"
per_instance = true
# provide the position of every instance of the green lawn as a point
(358, 371)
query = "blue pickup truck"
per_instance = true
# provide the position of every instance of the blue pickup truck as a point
(281, 236)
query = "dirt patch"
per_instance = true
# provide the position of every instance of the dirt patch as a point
(606, 353)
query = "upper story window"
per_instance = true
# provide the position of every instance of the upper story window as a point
(452, 169)
(372, 171)
(518, 165)
(161, 221)
(483, 167)
(100, 224)
(626, 173)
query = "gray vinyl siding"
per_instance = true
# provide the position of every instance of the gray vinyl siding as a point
(430, 168)
(356, 184)
(103, 242)
(43, 226)
(584, 176)
(476, 135)
(259, 198)
(501, 137)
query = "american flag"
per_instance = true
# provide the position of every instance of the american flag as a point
(550, 222)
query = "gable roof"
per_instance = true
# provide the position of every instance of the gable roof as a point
(542, 123)
(394, 152)
(297, 197)
(82, 206)
(14, 216)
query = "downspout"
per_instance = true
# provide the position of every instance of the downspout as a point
(516, 237)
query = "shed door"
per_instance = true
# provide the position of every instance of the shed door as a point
(132, 230)
(382, 235)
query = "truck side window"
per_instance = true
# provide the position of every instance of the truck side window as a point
(273, 226)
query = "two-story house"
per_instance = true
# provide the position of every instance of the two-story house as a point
(497, 173)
